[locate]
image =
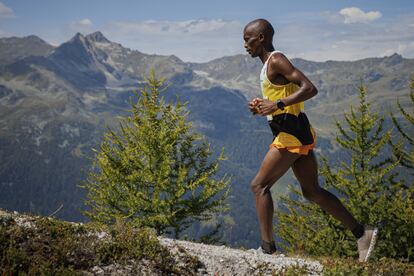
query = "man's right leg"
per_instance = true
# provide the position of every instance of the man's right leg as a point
(274, 165)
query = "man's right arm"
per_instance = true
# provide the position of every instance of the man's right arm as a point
(280, 65)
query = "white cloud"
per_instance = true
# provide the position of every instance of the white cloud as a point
(85, 22)
(405, 49)
(324, 39)
(6, 12)
(356, 15)
(191, 40)
(189, 27)
(85, 25)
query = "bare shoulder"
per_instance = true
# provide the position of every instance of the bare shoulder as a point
(282, 71)
(279, 63)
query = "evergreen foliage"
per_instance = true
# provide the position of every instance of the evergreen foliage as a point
(155, 172)
(404, 151)
(364, 183)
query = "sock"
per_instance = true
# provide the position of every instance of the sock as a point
(268, 247)
(358, 231)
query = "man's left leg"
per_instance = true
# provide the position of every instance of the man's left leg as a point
(306, 171)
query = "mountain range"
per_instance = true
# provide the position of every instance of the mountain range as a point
(55, 103)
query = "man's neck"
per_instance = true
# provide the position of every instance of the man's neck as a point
(266, 53)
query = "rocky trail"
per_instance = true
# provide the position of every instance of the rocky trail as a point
(222, 260)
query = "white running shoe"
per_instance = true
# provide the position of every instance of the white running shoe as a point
(366, 243)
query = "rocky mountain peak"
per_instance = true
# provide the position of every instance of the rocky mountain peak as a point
(394, 59)
(80, 62)
(77, 37)
(15, 48)
(97, 37)
(76, 46)
(25, 39)
(34, 38)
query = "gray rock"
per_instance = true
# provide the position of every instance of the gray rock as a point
(223, 260)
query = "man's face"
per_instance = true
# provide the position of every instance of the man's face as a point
(251, 41)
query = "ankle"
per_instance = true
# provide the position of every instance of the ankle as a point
(268, 247)
(358, 231)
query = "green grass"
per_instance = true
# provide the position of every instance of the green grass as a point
(384, 266)
(45, 246)
(351, 266)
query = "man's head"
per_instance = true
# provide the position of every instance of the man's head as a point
(258, 35)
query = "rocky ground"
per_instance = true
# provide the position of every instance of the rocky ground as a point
(222, 260)
(205, 259)
(34, 245)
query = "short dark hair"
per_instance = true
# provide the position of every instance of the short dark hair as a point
(262, 26)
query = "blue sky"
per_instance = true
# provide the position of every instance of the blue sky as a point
(203, 30)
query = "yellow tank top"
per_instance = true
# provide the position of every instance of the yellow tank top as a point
(274, 92)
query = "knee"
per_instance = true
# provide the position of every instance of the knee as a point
(314, 195)
(258, 188)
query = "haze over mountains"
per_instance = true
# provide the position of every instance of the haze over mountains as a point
(55, 102)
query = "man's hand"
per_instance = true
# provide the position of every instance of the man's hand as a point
(265, 107)
(253, 106)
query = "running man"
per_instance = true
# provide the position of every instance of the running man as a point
(284, 89)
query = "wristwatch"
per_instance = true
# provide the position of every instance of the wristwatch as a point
(280, 105)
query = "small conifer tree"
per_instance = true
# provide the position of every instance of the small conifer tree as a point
(155, 171)
(362, 181)
(404, 151)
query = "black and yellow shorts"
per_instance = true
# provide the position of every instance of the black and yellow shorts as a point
(293, 133)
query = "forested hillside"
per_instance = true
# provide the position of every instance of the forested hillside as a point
(55, 103)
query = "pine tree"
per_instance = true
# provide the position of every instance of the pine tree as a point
(155, 171)
(363, 182)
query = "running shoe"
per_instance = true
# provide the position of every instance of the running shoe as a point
(366, 243)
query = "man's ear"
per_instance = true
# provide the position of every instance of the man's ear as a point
(261, 37)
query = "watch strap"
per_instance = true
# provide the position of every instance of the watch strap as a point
(280, 105)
